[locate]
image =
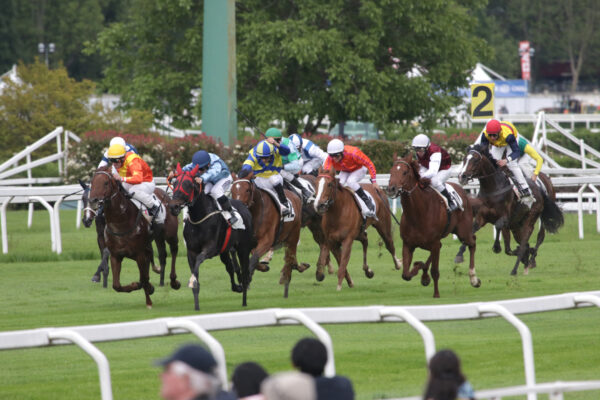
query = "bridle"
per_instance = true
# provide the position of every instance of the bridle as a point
(401, 188)
(251, 186)
(480, 158)
(327, 203)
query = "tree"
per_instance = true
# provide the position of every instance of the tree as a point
(43, 100)
(303, 57)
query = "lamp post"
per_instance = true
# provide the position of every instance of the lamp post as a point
(45, 49)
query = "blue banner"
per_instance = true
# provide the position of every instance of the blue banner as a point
(510, 88)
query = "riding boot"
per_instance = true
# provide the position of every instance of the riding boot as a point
(285, 211)
(451, 204)
(226, 205)
(361, 193)
(526, 197)
(305, 192)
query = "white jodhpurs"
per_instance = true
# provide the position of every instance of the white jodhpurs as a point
(142, 192)
(218, 189)
(352, 179)
(311, 165)
(513, 166)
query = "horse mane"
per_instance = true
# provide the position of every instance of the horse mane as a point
(485, 152)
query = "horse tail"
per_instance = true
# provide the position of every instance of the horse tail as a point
(552, 216)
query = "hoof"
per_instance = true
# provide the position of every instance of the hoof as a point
(369, 273)
(425, 281)
(96, 278)
(477, 283)
(175, 285)
(459, 259)
(237, 288)
(156, 269)
(406, 278)
(149, 306)
(263, 266)
(339, 287)
(320, 276)
(151, 290)
(526, 271)
(302, 267)
(496, 249)
(351, 284)
(513, 272)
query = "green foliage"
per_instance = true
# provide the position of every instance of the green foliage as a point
(44, 100)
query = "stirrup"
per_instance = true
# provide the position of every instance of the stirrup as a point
(233, 219)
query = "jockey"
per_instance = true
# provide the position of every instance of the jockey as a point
(527, 148)
(121, 141)
(265, 160)
(353, 165)
(292, 163)
(215, 177)
(434, 164)
(501, 136)
(312, 155)
(134, 173)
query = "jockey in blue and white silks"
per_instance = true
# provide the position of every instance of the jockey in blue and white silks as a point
(214, 176)
(312, 155)
(116, 140)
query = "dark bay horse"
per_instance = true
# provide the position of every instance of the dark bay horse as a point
(207, 234)
(425, 221)
(500, 206)
(127, 233)
(168, 234)
(343, 223)
(270, 231)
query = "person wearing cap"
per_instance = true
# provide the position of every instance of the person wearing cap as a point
(290, 385)
(309, 356)
(434, 164)
(265, 161)
(190, 374)
(502, 139)
(135, 176)
(116, 140)
(292, 163)
(312, 155)
(353, 165)
(215, 177)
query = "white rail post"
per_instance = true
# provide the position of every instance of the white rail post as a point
(213, 344)
(424, 331)
(51, 212)
(3, 223)
(580, 209)
(587, 298)
(314, 328)
(525, 340)
(78, 214)
(30, 206)
(92, 351)
(57, 234)
(595, 190)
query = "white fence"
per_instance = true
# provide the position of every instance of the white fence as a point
(200, 325)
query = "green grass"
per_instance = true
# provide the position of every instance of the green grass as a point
(41, 289)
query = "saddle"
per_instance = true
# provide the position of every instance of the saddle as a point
(292, 215)
(159, 218)
(239, 224)
(455, 196)
(364, 210)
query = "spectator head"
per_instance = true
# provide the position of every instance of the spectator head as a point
(247, 378)
(289, 386)
(445, 376)
(189, 371)
(310, 356)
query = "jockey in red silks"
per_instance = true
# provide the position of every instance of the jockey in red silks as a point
(434, 164)
(353, 165)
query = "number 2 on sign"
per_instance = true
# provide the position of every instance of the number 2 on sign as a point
(482, 100)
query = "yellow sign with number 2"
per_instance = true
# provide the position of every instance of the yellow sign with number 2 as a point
(482, 100)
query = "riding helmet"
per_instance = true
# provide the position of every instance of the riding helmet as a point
(297, 140)
(273, 132)
(493, 126)
(336, 146)
(421, 140)
(118, 140)
(116, 151)
(264, 149)
(201, 158)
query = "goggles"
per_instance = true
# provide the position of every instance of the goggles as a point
(417, 149)
(116, 160)
(493, 135)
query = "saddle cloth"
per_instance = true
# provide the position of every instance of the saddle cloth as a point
(364, 210)
(239, 224)
(292, 214)
(162, 211)
(457, 199)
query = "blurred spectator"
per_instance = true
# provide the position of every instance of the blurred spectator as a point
(189, 374)
(289, 386)
(310, 356)
(246, 380)
(446, 380)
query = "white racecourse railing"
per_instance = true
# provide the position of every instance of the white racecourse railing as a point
(200, 325)
(581, 178)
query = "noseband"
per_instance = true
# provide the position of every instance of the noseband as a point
(401, 189)
(469, 177)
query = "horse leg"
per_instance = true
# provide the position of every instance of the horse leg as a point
(290, 261)
(226, 259)
(385, 232)
(343, 264)
(468, 238)
(194, 283)
(143, 262)
(243, 258)
(407, 255)
(103, 267)
(506, 237)
(365, 245)
(266, 259)
(435, 268)
(425, 278)
(324, 259)
(162, 258)
(174, 247)
(522, 237)
(261, 248)
(540, 239)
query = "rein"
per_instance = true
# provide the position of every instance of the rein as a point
(500, 191)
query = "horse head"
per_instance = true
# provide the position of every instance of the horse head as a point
(404, 175)
(184, 189)
(242, 189)
(103, 187)
(88, 213)
(474, 164)
(325, 186)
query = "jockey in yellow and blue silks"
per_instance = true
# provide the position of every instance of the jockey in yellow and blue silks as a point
(502, 138)
(214, 176)
(265, 161)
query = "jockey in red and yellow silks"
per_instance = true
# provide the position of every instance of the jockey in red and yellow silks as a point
(133, 172)
(353, 165)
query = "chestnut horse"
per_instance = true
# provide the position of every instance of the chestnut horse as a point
(425, 221)
(207, 234)
(343, 223)
(127, 233)
(168, 235)
(500, 206)
(269, 229)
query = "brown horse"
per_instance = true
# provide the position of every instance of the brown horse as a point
(500, 206)
(343, 223)
(270, 231)
(127, 233)
(425, 221)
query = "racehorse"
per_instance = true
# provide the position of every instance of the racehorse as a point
(425, 221)
(208, 234)
(343, 223)
(269, 229)
(168, 234)
(500, 206)
(127, 233)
